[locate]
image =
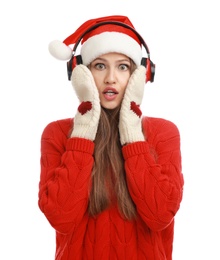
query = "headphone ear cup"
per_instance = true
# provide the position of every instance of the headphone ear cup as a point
(72, 63)
(150, 69)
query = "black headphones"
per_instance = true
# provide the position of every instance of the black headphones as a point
(76, 60)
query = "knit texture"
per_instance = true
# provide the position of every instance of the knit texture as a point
(87, 116)
(130, 115)
(155, 182)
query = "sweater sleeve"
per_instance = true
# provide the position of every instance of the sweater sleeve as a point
(66, 166)
(154, 175)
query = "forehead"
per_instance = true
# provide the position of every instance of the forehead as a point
(113, 56)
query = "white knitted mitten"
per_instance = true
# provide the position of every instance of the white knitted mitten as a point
(130, 127)
(87, 116)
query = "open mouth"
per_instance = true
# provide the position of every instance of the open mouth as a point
(110, 92)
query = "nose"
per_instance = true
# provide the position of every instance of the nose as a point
(110, 77)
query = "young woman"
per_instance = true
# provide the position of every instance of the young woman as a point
(111, 181)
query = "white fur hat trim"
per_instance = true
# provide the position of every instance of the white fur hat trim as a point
(106, 42)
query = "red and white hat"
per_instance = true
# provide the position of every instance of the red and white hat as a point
(103, 39)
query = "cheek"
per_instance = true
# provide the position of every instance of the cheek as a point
(124, 85)
(98, 80)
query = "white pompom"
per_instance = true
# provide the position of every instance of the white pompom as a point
(60, 50)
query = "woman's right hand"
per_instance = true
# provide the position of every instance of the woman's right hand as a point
(87, 116)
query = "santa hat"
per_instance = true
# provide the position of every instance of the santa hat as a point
(100, 36)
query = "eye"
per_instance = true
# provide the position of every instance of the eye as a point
(124, 67)
(99, 66)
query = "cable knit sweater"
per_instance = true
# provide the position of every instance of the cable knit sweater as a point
(155, 182)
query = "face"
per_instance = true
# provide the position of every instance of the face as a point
(111, 73)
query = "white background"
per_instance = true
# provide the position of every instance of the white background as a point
(183, 37)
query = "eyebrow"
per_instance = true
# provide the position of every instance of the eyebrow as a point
(121, 60)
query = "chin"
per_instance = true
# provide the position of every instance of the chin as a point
(109, 105)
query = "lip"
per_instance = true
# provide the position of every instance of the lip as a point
(111, 96)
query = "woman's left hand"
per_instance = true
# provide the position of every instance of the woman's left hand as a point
(130, 115)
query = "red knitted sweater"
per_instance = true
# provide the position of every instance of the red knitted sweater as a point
(155, 181)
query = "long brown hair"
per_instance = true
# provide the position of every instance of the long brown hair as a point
(108, 174)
